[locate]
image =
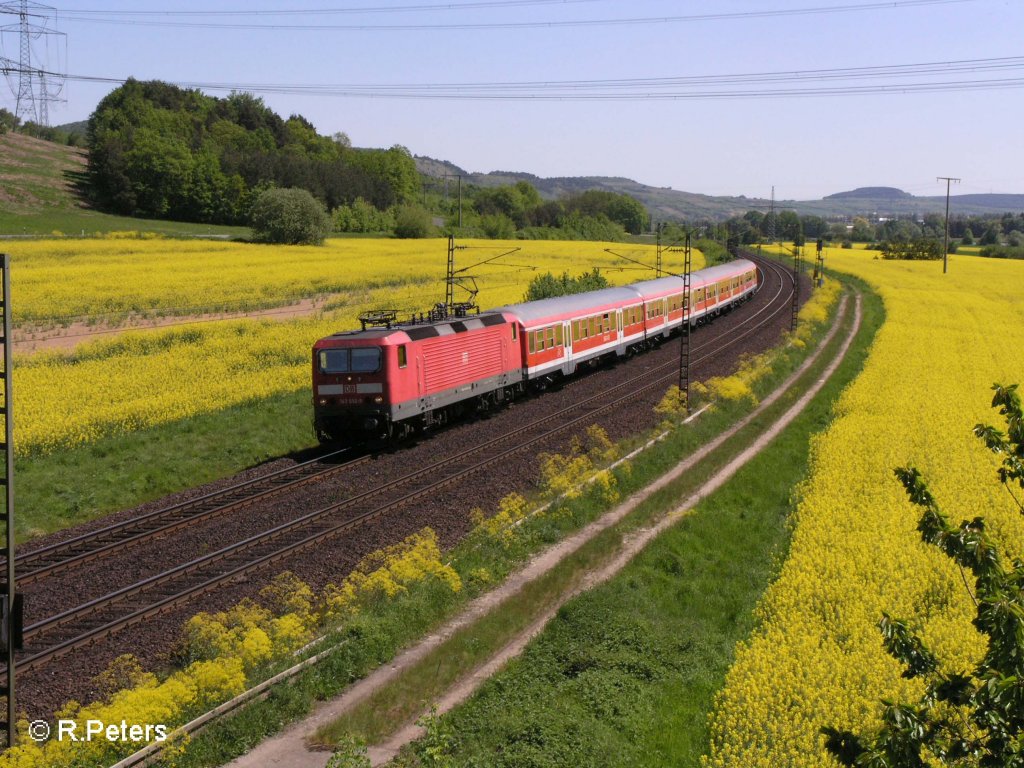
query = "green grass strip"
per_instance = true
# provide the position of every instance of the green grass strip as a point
(375, 637)
(372, 720)
(626, 673)
(73, 486)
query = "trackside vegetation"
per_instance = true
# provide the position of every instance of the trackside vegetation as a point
(625, 674)
(397, 608)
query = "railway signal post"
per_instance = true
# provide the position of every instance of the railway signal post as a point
(10, 602)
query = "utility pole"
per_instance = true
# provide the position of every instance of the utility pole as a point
(945, 240)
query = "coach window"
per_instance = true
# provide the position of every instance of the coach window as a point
(401, 356)
(532, 342)
(558, 336)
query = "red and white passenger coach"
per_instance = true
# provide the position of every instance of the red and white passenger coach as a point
(386, 382)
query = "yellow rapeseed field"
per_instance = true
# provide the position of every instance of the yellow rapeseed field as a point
(56, 280)
(817, 658)
(144, 378)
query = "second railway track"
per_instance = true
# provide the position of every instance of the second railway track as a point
(61, 633)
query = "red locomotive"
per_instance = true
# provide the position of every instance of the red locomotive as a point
(385, 382)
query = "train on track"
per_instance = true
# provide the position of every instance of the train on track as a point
(395, 379)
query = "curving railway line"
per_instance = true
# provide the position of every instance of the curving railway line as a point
(53, 636)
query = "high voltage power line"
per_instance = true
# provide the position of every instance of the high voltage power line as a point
(805, 83)
(420, 8)
(132, 18)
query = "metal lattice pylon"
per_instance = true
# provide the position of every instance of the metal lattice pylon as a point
(25, 99)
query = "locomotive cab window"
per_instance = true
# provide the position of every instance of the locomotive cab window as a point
(355, 360)
(365, 360)
(402, 361)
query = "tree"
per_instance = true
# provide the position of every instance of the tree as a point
(412, 221)
(862, 231)
(814, 226)
(788, 227)
(991, 235)
(289, 216)
(547, 285)
(8, 121)
(968, 719)
(497, 226)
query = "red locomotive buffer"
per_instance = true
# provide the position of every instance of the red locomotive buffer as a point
(386, 382)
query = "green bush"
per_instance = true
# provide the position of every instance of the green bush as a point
(1002, 252)
(412, 221)
(289, 216)
(498, 226)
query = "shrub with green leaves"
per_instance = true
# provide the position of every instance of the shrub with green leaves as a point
(289, 217)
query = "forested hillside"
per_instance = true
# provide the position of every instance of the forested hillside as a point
(157, 150)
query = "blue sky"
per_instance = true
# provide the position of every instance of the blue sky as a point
(805, 146)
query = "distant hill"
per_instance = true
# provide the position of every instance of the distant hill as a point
(666, 203)
(877, 193)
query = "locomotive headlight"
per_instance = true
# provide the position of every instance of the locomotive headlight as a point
(378, 399)
(323, 401)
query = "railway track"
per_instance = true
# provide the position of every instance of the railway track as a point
(57, 635)
(41, 563)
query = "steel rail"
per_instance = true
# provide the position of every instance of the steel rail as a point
(92, 545)
(62, 555)
(300, 526)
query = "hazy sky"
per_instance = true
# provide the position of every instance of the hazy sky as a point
(742, 143)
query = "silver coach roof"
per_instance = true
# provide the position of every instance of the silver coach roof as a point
(698, 278)
(659, 284)
(725, 270)
(539, 310)
(576, 302)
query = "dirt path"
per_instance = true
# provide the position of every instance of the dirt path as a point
(289, 748)
(68, 337)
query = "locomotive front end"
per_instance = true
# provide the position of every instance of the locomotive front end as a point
(353, 387)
